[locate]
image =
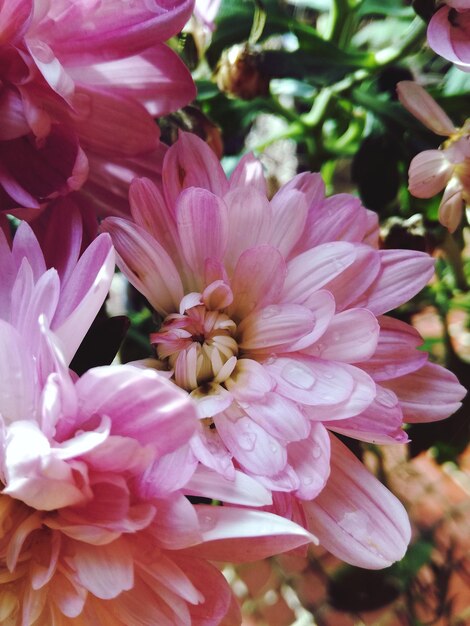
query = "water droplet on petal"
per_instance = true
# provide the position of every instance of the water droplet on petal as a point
(316, 451)
(270, 360)
(207, 522)
(307, 480)
(329, 375)
(247, 441)
(270, 311)
(327, 397)
(273, 448)
(390, 370)
(336, 336)
(298, 375)
(339, 264)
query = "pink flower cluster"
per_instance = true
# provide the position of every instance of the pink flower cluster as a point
(273, 322)
(80, 83)
(449, 32)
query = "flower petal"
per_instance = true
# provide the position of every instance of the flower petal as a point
(420, 104)
(429, 173)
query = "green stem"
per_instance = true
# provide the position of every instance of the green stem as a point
(411, 41)
(454, 257)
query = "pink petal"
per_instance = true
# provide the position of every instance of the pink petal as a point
(379, 423)
(449, 40)
(17, 389)
(240, 535)
(249, 218)
(289, 215)
(429, 173)
(249, 174)
(25, 245)
(84, 293)
(211, 399)
(15, 17)
(431, 393)
(249, 381)
(351, 337)
(311, 381)
(255, 281)
(360, 397)
(202, 224)
(166, 572)
(348, 287)
(115, 31)
(311, 270)
(310, 459)
(51, 69)
(322, 305)
(69, 596)
(14, 123)
(402, 275)
(256, 450)
(211, 451)
(106, 570)
(114, 125)
(141, 404)
(356, 517)
(242, 489)
(274, 326)
(280, 417)
(168, 473)
(191, 163)
(157, 78)
(396, 353)
(146, 264)
(176, 524)
(420, 104)
(451, 207)
(149, 210)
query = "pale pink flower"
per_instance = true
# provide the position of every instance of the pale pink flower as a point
(272, 320)
(96, 525)
(448, 167)
(449, 32)
(206, 12)
(81, 82)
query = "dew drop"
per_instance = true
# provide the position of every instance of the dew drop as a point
(336, 336)
(298, 376)
(390, 370)
(207, 522)
(316, 451)
(247, 441)
(339, 264)
(270, 311)
(355, 523)
(386, 398)
(326, 397)
(307, 480)
(329, 375)
(270, 360)
(273, 448)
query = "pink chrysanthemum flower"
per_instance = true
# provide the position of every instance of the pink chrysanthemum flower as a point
(80, 84)
(448, 167)
(95, 524)
(449, 32)
(272, 320)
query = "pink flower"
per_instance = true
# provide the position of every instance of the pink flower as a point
(80, 85)
(448, 167)
(272, 320)
(206, 12)
(69, 295)
(449, 32)
(96, 526)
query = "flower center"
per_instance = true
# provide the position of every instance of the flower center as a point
(198, 345)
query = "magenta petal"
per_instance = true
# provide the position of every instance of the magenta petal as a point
(356, 517)
(14, 123)
(15, 17)
(429, 394)
(449, 38)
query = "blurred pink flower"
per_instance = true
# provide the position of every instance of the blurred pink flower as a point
(273, 322)
(448, 167)
(96, 525)
(449, 32)
(206, 12)
(80, 84)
